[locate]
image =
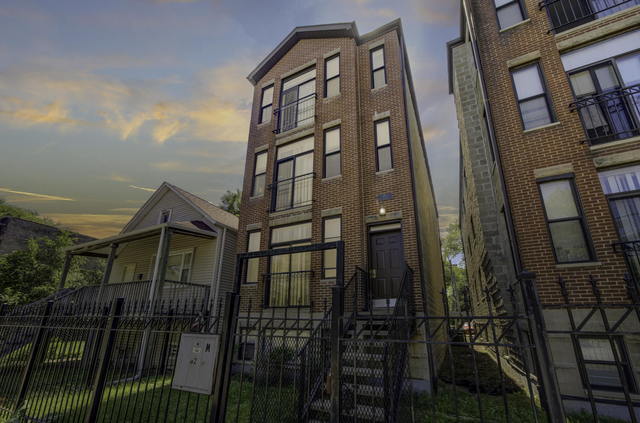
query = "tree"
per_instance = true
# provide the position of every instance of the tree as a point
(14, 211)
(454, 268)
(231, 201)
(34, 272)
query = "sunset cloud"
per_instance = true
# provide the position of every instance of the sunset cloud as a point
(118, 178)
(444, 12)
(142, 188)
(32, 196)
(235, 168)
(96, 225)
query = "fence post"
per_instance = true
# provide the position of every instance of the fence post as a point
(36, 351)
(225, 356)
(105, 350)
(549, 381)
(336, 333)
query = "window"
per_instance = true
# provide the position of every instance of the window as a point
(128, 272)
(332, 152)
(609, 109)
(331, 232)
(266, 105)
(246, 351)
(378, 72)
(178, 267)
(509, 12)
(288, 282)
(332, 76)
(565, 221)
(384, 160)
(165, 216)
(532, 97)
(253, 244)
(600, 363)
(297, 100)
(259, 174)
(293, 175)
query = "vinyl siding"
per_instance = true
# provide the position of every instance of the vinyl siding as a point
(180, 211)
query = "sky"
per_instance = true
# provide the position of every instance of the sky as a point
(102, 101)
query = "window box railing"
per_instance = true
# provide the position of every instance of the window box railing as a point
(567, 14)
(295, 114)
(287, 289)
(631, 252)
(610, 116)
(292, 192)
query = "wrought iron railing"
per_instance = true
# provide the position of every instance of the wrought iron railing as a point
(631, 252)
(567, 14)
(291, 193)
(295, 114)
(610, 116)
(287, 289)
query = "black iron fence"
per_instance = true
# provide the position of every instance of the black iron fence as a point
(610, 116)
(567, 14)
(288, 289)
(292, 115)
(292, 192)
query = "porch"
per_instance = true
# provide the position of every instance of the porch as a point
(171, 262)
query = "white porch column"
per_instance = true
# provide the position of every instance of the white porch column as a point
(107, 271)
(160, 266)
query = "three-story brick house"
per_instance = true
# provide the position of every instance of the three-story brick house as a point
(336, 152)
(548, 105)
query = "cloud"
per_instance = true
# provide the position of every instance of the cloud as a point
(115, 177)
(142, 188)
(235, 168)
(96, 225)
(443, 12)
(125, 210)
(216, 106)
(432, 132)
(32, 196)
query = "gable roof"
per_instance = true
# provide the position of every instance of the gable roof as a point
(334, 30)
(213, 213)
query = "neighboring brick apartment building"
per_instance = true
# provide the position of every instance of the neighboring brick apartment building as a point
(548, 101)
(335, 151)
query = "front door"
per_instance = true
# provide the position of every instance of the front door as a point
(387, 267)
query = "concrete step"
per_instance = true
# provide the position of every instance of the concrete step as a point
(362, 412)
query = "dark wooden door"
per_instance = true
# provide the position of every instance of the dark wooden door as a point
(387, 264)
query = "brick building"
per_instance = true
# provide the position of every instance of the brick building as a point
(548, 105)
(335, 152)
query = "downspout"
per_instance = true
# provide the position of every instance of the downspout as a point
(216, 283)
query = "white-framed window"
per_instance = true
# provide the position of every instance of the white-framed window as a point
(128, 272)
(165, 216)
(179, 264)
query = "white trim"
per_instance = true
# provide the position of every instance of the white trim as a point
(611, 47)
(162, 212)
(549, 125)
(515, 25)
(183, 252)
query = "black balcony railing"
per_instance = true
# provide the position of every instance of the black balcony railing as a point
(631, 252)
(295, 114)
(610, 116)
(567, 14)
(291, 193)
(288, 289)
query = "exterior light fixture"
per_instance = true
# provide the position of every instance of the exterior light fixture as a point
(382, 211)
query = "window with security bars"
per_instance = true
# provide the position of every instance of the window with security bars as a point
(288, 282)
(565, 221)
(332, 231)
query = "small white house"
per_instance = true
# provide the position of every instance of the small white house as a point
(178, 246)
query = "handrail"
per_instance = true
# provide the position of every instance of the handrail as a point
(301, 110)
(292, 192)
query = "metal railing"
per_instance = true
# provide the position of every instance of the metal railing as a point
(294, 114)
(567, 14)
(287, 289)
(291, 193)
(610, 116)
(631, 252)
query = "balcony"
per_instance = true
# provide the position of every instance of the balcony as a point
(567, 14)
(292, 193)
(287, 289)
(296, 113)
(610, 116)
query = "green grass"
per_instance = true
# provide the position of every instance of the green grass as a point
(57, 350)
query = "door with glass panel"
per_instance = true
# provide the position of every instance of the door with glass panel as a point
(290, 274)
(293, 183)
(603, 104)
(622, 188)
(298, 100)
